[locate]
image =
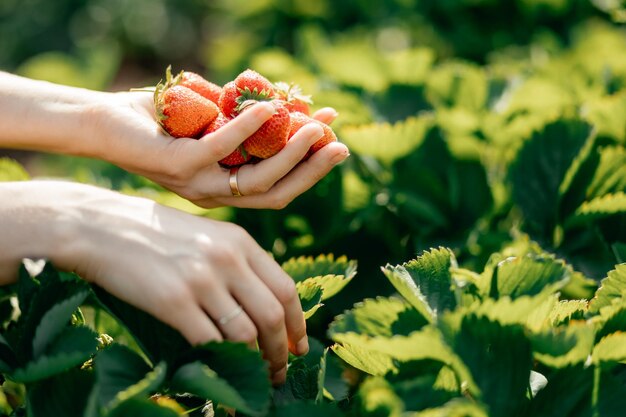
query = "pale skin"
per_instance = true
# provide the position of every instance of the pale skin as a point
(185, 270)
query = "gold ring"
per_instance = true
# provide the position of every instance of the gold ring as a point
(232, 181)
(225, 319)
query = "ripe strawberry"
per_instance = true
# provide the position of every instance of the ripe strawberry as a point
(180, 111)
(201, 86)
(239, 156)
(298, 119)
(228, 99)
(292, 94)
(249, 85)
(272, 136)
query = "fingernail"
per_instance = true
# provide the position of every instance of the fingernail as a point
(302, 347)
(339, 158)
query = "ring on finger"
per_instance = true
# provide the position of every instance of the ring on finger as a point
(232, 181)
(228, 317)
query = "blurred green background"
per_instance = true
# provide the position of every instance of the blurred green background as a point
(480, 125)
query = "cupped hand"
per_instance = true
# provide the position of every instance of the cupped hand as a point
(190, 272)
(189, 167)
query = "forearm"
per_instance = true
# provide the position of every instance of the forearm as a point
(37, 115)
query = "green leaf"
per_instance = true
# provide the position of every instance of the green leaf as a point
(619, 248)
(306, 409)
(572, 386)
(379, 317)
(610, 350)
(610, 175)
(157, 340)
(455, 408)
(457, 84)
(64, 395)
(539, 169)
(377, 398)
(499, 359)
(416, 383)
(40, 289)
(598, 208)
(426, 282)
(611, 288)
(567, 310)
(310, 295)
(141, 407)
(562, 347)
(8, 360)
(410, 66)
(55, 320)
(387, 142)
(73, 346)
(364, 359)
(11, 170)
(122, 374)
(305, 267)
(612, 319)
(330, 284)
(227, 373)
(376, 355)
(305, 376)
(532, 313)
(529, 275)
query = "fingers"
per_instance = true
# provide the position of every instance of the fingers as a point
(269, 317)
(259, 178)
(325, 115)
(299, 180)
(284, 289)
(231, 319)
(219, 144)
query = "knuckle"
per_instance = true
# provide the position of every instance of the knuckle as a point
(279, 202)
(286, 292)
(260, 187)
(247, 334)
(274, 317)
(223, 254)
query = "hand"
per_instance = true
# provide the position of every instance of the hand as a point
(190, 168)
(187, 271)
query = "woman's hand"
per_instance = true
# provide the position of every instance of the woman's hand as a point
(121, 128)
(190, 272)
(132, 139)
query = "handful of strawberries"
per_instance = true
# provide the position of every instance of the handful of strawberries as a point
(189, 106)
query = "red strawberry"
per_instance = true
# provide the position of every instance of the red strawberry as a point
(201, 86)
(182, 112)
(298, 119)
(272, 136)
(228, 99)
(249, 85)
(292, 94)
(239, 156)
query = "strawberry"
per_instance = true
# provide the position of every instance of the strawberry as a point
(249, 85)
(180, 111)
(201, 86)
(228, 99)
(272, 136)
(292, 95)
(298, 119)
(239, 156)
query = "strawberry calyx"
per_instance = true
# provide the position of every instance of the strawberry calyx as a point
(291, 92)
(248, 97)
(161, 88)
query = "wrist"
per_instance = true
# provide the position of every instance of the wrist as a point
(37, 223)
